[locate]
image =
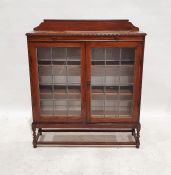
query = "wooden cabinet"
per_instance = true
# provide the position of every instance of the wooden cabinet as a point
(86, 76)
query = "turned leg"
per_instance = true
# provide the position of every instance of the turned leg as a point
(40, 131)
(138, 136)
(133, 131)
(34, 137)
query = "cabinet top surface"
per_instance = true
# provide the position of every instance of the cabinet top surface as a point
(85, 28)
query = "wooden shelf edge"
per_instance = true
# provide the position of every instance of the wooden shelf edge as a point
(83, 143)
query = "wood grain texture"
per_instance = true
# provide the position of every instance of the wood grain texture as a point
(86, 34)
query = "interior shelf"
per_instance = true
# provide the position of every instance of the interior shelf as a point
(112, 71)
(57, 62)
(59, 89)
(60, 59)
(111, 115)
(112, 62)
(110, 112)
(112, 76)
(112, 89)
(61, 113)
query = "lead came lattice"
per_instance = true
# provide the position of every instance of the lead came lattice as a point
(58, 72)
(112, 68)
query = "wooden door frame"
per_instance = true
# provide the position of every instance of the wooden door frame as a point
(137, 79)
(34, 82)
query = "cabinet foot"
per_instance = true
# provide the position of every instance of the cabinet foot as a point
(34, 137)
(133, 132)
(137, 135)
(40, 131)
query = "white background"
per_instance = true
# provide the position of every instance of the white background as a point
(20, 16)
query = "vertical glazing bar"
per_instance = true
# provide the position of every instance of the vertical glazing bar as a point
(66, 57)
(105, 87)
(91, 76)
(52, 73)
(120, 57)
(41, 108)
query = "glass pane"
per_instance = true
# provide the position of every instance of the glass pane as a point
(98, 73)
(43, 53)
(59, 54)
(73, 54)
(59, 81)
(112, 76)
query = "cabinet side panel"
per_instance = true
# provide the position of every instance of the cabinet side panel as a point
(138, 80)
(34, 82)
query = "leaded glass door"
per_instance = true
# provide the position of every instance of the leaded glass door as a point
(60, 81)
(111, 81)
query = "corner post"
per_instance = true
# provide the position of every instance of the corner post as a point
(138, 128)
(34, 136)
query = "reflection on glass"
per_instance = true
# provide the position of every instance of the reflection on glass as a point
(112, 76)
(59, 81)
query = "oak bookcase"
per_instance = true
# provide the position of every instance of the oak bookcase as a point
(86, 75)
